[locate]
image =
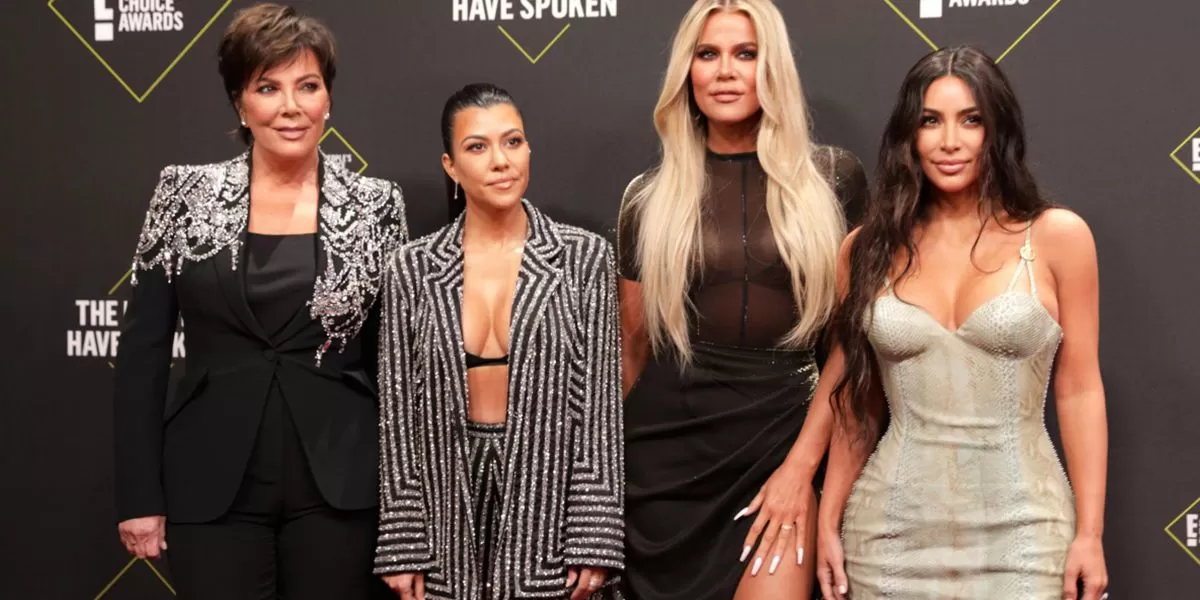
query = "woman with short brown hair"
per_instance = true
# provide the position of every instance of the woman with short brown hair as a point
(263, 468)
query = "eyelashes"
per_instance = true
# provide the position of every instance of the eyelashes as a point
(930, 120)
(308, 86)
(706, 54)
(512, 142)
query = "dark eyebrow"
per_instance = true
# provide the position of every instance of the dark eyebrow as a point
(304, 77)
(738, 46)
(965, 111)
(476, 136)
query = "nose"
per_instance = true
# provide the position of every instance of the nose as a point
(950, 137)
(499, 157)
(725, 67)
(290, 106)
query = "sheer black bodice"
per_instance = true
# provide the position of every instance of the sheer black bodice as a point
(743, 294)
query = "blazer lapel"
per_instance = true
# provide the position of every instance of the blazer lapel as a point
(235, 194)
(445, 283)
(537, 286)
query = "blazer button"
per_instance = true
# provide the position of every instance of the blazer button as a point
(269, 354)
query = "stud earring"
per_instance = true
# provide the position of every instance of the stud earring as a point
(327, 115)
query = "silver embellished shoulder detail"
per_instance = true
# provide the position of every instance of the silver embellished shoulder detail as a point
(362, 222)
(196, 211)
(200, 210)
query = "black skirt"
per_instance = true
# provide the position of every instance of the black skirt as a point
(699, 445)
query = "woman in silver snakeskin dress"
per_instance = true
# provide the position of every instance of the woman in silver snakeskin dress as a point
(962, 288)
(500, 385)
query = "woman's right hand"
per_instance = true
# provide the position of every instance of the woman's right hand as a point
(409, 586)
(831, 564)
(144, 537)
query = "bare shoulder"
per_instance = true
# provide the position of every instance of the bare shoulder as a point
(1061, 229)
(1065, 240)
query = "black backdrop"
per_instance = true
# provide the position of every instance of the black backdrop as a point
(1110, 92)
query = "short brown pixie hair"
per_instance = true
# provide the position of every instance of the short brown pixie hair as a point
(265, 36)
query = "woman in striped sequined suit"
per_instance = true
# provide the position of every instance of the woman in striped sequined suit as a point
(500, 386)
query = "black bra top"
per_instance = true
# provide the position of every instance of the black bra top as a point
(479, 361)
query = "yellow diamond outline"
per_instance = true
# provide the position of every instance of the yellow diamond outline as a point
(124, 570)
(1169, 533)
(1183, 165)
(920, 33)
(113, 72)
(534, 60)
(333, 131)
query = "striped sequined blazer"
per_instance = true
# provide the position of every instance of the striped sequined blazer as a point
(562, 503)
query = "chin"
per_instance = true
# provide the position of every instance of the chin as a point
(728, 114)
(952, 185)
(502, 202)
(290, 150)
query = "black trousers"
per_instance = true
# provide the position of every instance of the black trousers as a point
(279, 539)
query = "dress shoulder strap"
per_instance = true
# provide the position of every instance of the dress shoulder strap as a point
(1026, 262)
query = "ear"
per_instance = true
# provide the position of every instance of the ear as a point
(448, 167)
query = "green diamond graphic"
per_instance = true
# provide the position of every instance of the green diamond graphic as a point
(139, 96)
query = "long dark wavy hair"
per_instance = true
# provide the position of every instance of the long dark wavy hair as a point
(901, 198)
(475, 95)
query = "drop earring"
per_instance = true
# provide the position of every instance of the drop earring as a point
(327, 115)
(456, 190)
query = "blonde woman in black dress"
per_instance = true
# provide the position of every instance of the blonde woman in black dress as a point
(727, 254)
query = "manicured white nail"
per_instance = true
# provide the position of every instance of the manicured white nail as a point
(741, 513)
(800, 556)
(757, 565)
(774, 564)
(842, 589)
(745, 553)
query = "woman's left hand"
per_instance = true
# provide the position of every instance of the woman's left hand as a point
(782, 506)
(585, 581)
(1085, 560)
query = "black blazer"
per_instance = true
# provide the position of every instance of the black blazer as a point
(185, 459)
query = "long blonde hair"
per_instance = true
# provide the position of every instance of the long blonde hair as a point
(806, 218)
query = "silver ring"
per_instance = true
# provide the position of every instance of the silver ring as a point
(786, 527)
(595, 583)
